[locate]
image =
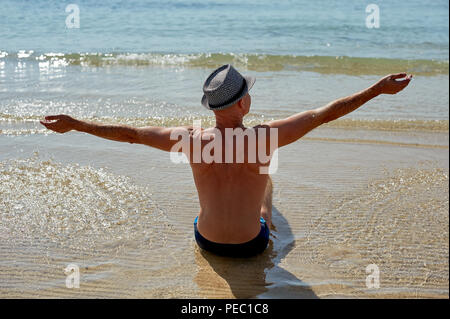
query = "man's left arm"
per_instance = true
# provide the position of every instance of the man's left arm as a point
(154, 136)
(294, 127)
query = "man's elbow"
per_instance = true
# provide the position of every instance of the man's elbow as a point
(316, 118)
(319, 117)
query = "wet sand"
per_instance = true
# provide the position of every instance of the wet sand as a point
(343, 199)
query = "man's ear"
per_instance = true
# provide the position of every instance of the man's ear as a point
(241, 104)
(243, 107)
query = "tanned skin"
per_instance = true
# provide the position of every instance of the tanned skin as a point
(232, 196)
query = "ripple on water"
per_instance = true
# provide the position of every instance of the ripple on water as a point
(400, 223)
(76, 207)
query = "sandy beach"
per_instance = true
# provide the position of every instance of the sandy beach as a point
(124, 214)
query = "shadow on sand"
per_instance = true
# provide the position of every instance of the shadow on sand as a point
(255, 277)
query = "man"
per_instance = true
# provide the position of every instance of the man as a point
(235, 198)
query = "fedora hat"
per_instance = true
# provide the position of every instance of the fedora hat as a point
(224, 87)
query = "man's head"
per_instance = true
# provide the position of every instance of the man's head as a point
(226, 89)
(237, 110)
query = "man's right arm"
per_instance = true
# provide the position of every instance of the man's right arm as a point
(294, 127)
(154, 136)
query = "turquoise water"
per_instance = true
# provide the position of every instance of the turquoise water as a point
(136, 60)
(408, 30)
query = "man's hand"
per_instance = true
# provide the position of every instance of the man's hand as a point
(391, 84)
(59, 123)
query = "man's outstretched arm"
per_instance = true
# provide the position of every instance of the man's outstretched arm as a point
(158, 137)
(294, 127)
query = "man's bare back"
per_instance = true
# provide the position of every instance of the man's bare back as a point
(232, 195)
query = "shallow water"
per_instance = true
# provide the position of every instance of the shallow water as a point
(124, 214)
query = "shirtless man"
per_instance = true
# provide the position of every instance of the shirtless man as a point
(235, 198)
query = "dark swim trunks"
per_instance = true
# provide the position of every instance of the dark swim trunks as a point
(253, 247)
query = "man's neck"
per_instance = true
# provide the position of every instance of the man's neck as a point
(229, 122)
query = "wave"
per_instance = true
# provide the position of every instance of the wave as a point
(15, 123)
(391, 125)
(251, 61)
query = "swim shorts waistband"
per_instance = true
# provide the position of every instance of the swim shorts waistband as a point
(253, 247)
